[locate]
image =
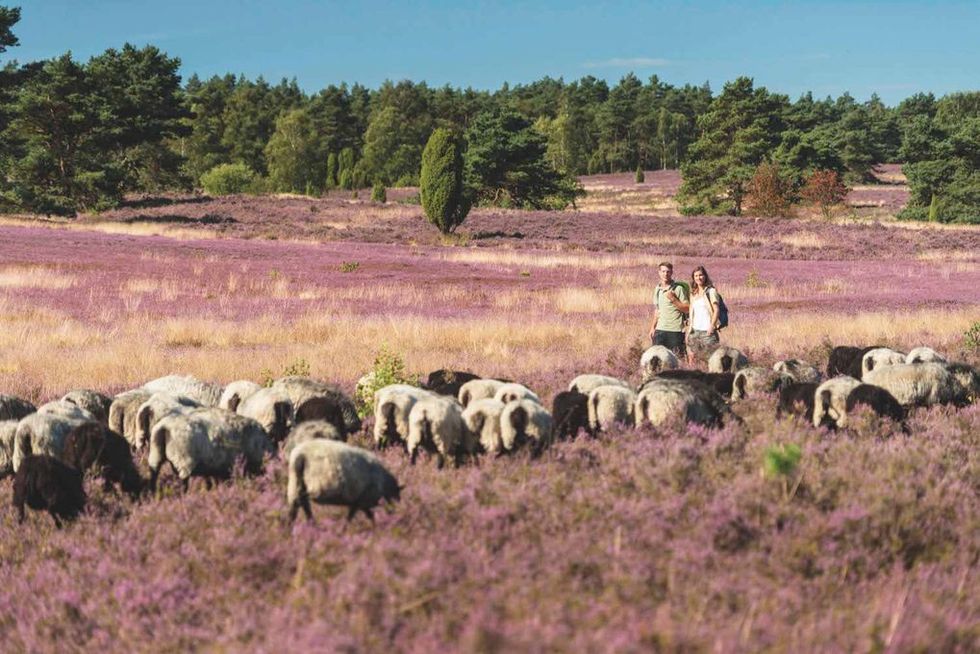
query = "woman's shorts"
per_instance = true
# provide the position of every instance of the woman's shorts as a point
(702, 344)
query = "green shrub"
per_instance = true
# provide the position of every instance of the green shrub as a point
(640, 178)
(299, 367)
(441, 182)
(781, 460)
(378, 193)
(349, 266)
(971, 339)
(225, 179)
(389, 368)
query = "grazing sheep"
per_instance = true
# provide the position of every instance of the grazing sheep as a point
(665, 400)
(46, 484)
(656, 359)
(236, 392)
(272, 409)
(722, 382)
(797, 398)
(924, 354)
(609, 405)
(205, 393)
(447, 382)
(525, 422)
(315, 400)
(727, 359)
(968, 378)
(513, 392)
(150, 412)
(91, 445)
(435, 424)
(585, 384)
(846, 360)
(308, 431)
(123, 413)
(14, 408)
(482, 419)
(205, 443)
(877, 399)
(922, 384)
(92, 401)
(878, 357)
(478, 389)
(798, 370)
(44, 432)
(754, 380)
(330, 472)
(570, 414)
(830, 401)
(8, 431)
(392, 405)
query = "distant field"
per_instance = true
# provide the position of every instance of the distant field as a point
(640, 541)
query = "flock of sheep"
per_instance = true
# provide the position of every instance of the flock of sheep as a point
(202, 429)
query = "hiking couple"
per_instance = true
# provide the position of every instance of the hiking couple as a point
(686, 319)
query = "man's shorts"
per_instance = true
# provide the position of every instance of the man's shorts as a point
(671, 340)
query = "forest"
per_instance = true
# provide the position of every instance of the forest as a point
(80, 136)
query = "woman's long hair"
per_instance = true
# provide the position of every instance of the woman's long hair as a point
(707, 280)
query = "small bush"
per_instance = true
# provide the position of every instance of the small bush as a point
(389, 368)
(824, 189)
(226, 179)
(971, 339)
(378, 193)
(299, 367)
(769, 192)
(781, 460)
(349, 266)
(640, 178)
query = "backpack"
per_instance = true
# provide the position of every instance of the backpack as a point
(675, 283)
(722, 311)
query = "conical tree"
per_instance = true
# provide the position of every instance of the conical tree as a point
(443, 197)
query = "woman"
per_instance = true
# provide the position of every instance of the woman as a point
(702, 332)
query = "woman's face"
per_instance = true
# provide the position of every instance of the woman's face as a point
(699, 277)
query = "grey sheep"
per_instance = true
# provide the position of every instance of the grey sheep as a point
(923, 384)
(525, 423)
(8, 431)
(727, 359)
(272, 409)
(92, 401)
(392, 406)
(798, 371)
(656, 359)
(334, 473)
(585, 384)
(308, 431)
(205, 443)
(205, 393)
(14, 408)
(435, 424)
(316, 400)
(44, 432)
(478, 389)
(512, 392)
(152, 411)
(753, 380)
(124, 410)
(482, 419)
(924, 354)
(236, 392)
(609, 405)
(663, 401)
(879, 357)
(830, 401)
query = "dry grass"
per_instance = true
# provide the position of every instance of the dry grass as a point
(129, 229)
(34, 277)
(804, 240)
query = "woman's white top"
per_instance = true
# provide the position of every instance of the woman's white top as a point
(701, 311)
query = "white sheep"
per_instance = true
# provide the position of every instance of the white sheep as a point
(123, 413)
(206, 442)
(307, 431)
(525, 422)
(609, 405)
(924, 354)
(512, 392)
(152, 410)
(830, 401)
(14, 408)
(798, 371)
(272, 409)
(585, 384)
(478, 389)
(879, 357)
(482, 419)
(334, 473)
(45, 432)
(922, 384)
(316, 400)
(727, 359)
(92, 401)
(203, 392)
(663, 401)
(656, 359)
(8, 432)
(392, 405)
(753, 380)
(436, 425)
(236, 392)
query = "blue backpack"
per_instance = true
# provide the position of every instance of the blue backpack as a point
(722, 311)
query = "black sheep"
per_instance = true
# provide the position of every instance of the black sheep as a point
(447, 382)
(46, 484)
(878, 400)
(846, 360)
(91, 445)
(14, 408)
(569, 413)
(797, 398)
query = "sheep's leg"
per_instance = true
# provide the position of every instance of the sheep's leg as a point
(370, 514)
(414, 455)
(304, 501)
(440, 461)
(57, 522)
(21, 514)
(185, 485)
(351, 512)
(293, 510)
(209, 482)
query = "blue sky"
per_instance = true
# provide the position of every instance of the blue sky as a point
(894, 48)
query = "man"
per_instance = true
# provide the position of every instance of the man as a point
(671, 303)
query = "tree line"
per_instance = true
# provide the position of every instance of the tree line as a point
(80, 135)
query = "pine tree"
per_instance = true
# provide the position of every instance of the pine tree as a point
(444, 199)
(331, 181)
(639, 174)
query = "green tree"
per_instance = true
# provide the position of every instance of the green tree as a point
(331, 180)
(9, 16)
(506, 165)
(291, 154)
(740, 129)
(345, 169)
(443, 195)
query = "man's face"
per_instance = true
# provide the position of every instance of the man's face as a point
(666, 275)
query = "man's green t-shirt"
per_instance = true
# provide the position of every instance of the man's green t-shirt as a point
(670, 319)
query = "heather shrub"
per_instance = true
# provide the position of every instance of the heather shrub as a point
(226, 179)
(389, 368)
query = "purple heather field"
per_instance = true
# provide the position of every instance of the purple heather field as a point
(677, 539)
